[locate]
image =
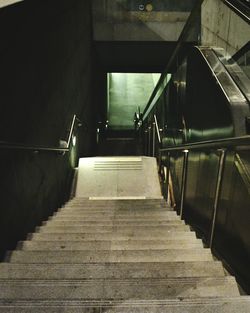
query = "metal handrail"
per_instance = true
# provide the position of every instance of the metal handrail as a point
(157, 129)
(217, 143)
(23, 147)
(240, 8)
(222, 146)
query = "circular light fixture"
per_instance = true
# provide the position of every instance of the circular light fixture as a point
(141, 7)
(149, 7)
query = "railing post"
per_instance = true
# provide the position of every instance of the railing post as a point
(217, 193)
(167, 175)
(145, 141)
(153, 139)
(149, 140)
(183, 181)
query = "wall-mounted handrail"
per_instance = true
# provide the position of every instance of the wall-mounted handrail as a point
(210, 144)
(23, 147)
(71, 130)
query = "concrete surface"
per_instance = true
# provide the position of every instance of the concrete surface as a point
(115, 22)
(118, 176)
(88, 256)
(4, 3)
(194, 305)
(221, 27)
(78, 272)
(168, 288)
(111, 270)
(111, 236)
(110, 245)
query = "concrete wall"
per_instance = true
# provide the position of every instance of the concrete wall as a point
(116, 20)
(45, 78)
(4, 3)
(221, 27)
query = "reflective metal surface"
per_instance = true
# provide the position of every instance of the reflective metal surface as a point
(202, 109)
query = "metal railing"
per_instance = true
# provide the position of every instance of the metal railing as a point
(25, 147)
(240, 7)
(222, 146)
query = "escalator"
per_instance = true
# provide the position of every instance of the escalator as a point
(195, 127)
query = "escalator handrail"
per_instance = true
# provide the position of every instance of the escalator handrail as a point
(182, 38)
(240, 8)
(243, 50)
(236, 73)
(24, 147)
(229, 143)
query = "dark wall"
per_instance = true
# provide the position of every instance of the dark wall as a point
(45, 78)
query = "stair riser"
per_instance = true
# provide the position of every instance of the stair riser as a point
(98, 290)
(108, 207)
(111, 270)
(53, 246)
(130, 221)
(106, 217)
(226, 305)
(117, 210)
(79, 257)
(56, 222)
(117, 202)
(114, 230)
(110, 236)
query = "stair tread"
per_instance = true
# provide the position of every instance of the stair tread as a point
(110, 245)
(189, 305)
(119, 289)
(111, 229)
(107, 236)
(113, 223)
(199, 254)
(136, 254)
(112, 270)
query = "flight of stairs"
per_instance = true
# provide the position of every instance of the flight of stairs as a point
(97, 256)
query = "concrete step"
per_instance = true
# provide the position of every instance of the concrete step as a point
(110, 209)
(67, 216)
(88, 256)
(115, 202)
(109, 245)
(120, 216)
(168, 288)
(169, 235)
(102, 216)
(112, 270)
(150, 211)
(117, 208)
(181, 305)
(114, 229)
(111, 223)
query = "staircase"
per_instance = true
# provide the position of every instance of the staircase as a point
(116, 255)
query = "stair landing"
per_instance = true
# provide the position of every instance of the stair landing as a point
(122, 177)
